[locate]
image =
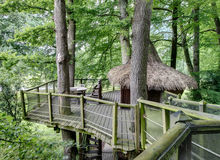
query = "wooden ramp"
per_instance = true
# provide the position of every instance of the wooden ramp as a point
(98, 118)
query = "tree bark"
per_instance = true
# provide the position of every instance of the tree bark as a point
(124, 37)
(174, 33)
(216, 19)
(71, 46)
(62, 59)
(196, 41)
(186, 52)
(140, 45)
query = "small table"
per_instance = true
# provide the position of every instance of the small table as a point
(78, 90)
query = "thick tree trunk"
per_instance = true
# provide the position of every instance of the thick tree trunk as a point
(174, 34)
(71, 46)
(140, 45)
(124, 37)
(186, 52)
(196, 41)
(216, 19)
(62, 59)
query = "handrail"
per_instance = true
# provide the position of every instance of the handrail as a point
(207, 105)
(29, 89)
(192, 113)
(175, 135)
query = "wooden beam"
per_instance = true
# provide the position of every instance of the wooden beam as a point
(23, 103)
(166, 120)
(50, 107)
(137, 128)
(114, 124)
(143, 125)
(82, 111)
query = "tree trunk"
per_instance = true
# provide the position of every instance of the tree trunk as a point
(71, 46)
(196, 41)
(216, 19)
(186, 52)
(174, 35)
(140, 45)
(124, 37)
(62, 59)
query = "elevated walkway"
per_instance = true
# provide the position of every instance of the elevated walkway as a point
(111, 121)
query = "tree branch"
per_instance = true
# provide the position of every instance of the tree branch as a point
(162, 9)
(168, 40)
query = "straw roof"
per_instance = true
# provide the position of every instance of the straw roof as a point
(159, 75)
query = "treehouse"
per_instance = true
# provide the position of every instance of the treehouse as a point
(160, 77)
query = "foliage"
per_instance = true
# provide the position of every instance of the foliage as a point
(19, 141)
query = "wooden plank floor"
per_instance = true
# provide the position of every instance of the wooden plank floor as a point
(98, 119)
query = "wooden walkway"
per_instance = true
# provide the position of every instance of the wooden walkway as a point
(98, 119)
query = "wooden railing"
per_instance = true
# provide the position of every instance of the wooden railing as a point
(176, 143)
(166, 112)
(82, 99)
(201, 106)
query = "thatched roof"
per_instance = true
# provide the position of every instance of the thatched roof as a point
(159, 75)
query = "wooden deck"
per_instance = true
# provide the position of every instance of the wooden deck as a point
(98, 119)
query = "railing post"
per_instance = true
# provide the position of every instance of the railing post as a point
(54, 90)
(46, 87)
(170, 99)
(137, 128)
(38, 97)
(143, 125)
(166, 120)
(50, 107)
(82, 111)
(23, 104)
(202, 106)
(114, 124)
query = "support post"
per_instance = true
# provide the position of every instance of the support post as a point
(143, 126)
(166, 120)
(202, 106)
(38, 97)
(137, 128)
(54, 89)
(170, 99)
(185, 149)
(50, 107)
(82, 111)
(46, 87)
(114, 124)
(23, 104)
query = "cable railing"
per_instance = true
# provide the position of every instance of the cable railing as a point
(84, 113)
(189, 123)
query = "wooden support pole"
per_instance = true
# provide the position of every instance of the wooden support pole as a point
(137, 128)
(54, 87)
(143, 125)
(82, 111)
(50, 107)
(114, 124)
(46, 87)
(38, 97)
(23, 104)
(202, 106)
(166, 120)
(185, 149)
